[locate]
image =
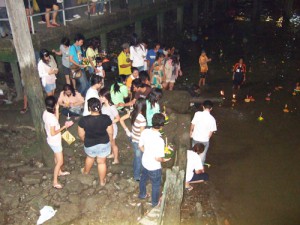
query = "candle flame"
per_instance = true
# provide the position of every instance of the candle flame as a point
(222, 92)
(233, 96)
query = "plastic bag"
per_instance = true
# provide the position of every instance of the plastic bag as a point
(68, 137)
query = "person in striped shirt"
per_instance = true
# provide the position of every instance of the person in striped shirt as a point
(138, 123)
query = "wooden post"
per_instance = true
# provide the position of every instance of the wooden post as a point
(17, 79)
(172, 197)
(25, 53)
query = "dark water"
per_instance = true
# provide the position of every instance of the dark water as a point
(255, 165)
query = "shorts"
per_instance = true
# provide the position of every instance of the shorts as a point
(65, 71)
(56, 149)
(200, 176)
(49, 4)
(100, 150)
(50, 87)
(202, 75)
(27, 5)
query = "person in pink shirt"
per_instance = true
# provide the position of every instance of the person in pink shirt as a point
(71, 101)
(53, 130)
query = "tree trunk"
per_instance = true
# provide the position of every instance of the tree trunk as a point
(26, 58)
(172, 197)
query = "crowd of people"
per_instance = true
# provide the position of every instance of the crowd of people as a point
(135, 95)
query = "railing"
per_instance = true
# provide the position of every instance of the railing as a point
(63, 11)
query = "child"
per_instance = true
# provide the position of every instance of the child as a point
(203, 60)
(194, 168)
(99, 69)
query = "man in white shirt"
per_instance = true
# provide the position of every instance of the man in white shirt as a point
(202, 127)
(152, 145)
(92, 92)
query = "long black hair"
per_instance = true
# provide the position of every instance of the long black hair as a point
(106, 94)
(68, 87)
(120, 79)
(139, 107)
(94, 105)
(50, 103)
(43, 54)
(154, 96)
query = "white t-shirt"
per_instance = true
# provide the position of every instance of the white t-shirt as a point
(91, 93)
(194, 162)
(204, 124)
(50, 120)
(112, 112)
(137, 55)
(153, 147)
(100, 71)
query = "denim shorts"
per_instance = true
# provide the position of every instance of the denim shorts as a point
(56, 149)
(100, 150)
(50, 87)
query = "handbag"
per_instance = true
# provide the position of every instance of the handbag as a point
(68, 137)
(76, 71)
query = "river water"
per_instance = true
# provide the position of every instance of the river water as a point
(255, 164)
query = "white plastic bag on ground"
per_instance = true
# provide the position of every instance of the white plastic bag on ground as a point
(47, 212)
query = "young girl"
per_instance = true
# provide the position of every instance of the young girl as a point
(53, 130)
(119, 91)
(47, 69)
(99, 69)
(152, 105)
(157, 75)
(194, 168)
(108, 108)
(138, 123)
(172, 70)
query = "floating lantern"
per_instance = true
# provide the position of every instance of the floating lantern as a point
(268, 97)
(222, 94)
(233, 98)
(286, 110)
(169, 150)
(166, 116)
(260, 118)
(247, 99)
(294, 93)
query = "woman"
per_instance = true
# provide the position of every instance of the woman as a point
(108, 108)
(96, 131)
(239, 74)
(172, 71)
(194, 168)
(71, 101)
(64, 52)
(91, 53)
(53, 130)
(138, 54)
(157, 75)
(138, 123)
(119, 91)
(47, 70)
(152, 105)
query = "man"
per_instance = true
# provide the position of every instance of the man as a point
(202, 127)
(75, 57)
(124, 62)
(96, 82)
(151, 55)
(140, 89)
(152, 146)
(145, 78)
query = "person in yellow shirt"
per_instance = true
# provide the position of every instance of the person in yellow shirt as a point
(203, 60)
(124, 62)
(134, 75)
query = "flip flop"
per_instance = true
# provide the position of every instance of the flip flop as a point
(110, 156)
(102, 185)
(57, 186)
(24, 110)
(55, 24)
(189, 188)
(115, 163)
(64, 173)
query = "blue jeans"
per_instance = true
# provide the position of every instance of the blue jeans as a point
(206, 145)
(155, 179)
(137, 161)
(100, 6)
(83, 84)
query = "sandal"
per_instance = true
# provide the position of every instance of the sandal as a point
(57, 186)
(189, 188)
(103, 184)
(24, 110)
(64, 173)
(110, 156)
(115, 163)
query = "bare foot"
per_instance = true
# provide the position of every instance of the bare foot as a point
(50, 26)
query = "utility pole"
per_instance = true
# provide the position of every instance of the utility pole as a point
(25, 54)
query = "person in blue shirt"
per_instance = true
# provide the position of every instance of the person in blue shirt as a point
(151, 55)
(76, 58)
